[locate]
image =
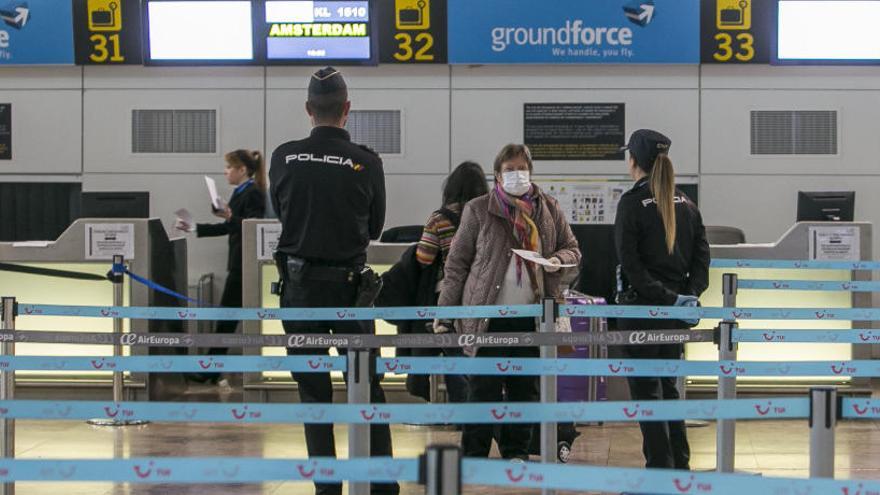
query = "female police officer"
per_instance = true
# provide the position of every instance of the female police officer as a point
(664, 261)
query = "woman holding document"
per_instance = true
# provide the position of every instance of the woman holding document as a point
(482, 269)
(244, 170)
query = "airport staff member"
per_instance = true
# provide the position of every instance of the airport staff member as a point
(329, 194)
(664, 261)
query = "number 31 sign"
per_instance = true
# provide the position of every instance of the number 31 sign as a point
(107, 32)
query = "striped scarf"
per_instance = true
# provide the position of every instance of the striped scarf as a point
(519, 211)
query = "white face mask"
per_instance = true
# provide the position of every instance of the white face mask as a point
(516, 183)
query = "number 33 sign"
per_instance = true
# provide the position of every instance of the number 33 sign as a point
(413, 32)
(107, 32)
(736, 31)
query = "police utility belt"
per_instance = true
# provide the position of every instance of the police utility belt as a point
(294, 270)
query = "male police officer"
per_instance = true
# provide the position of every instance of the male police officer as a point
(329, 194)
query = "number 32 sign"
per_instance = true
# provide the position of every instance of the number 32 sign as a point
(107, 32)
(413, 32)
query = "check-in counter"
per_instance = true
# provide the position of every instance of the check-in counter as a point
(795, 244)
(87, 246)
(259, 240)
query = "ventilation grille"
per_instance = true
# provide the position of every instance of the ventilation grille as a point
(174, 131)
(794, 132)
(378, 129)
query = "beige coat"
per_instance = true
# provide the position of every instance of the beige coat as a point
(481, 251)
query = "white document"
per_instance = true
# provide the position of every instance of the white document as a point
(835, 244)
(103, 240)
(39, 244)
(267, 240)
(537, 258)
(185, 216)
(216, 201)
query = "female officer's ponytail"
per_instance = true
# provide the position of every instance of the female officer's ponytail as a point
(663, 189)
(253, 162)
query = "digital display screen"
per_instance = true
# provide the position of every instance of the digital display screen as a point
(318, 31)
(207, 31)
(828, 31)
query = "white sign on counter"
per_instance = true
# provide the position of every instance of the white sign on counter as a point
(835, 243)
(267, 240)
(586, 202)
(104, 240)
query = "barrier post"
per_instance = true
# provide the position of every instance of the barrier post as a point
(549, 447)
(7, 389)
(823, 420)
(725, 454)
(440, 470)
(360, 372)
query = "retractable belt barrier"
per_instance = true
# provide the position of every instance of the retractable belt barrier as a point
(448, 365)
(428, 414)
(842, 336)
(796, 264)
(815, 285)
(451, 312)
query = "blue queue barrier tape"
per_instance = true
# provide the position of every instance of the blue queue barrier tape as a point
(842, 336)
(624, 367)
(860, 408)
(210, 470)
(473, 413)
(846, 286)
(654, 481)
(301, 314)
(341, 314)
(172, 364)
(796, 264)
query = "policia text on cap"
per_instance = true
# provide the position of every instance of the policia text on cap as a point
(329, 194)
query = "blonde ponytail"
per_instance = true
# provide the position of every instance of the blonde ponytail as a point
(663, 189)
(259, 170)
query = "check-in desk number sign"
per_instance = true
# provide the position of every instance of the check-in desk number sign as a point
(419, 33)
(108, 32)
(736, 31)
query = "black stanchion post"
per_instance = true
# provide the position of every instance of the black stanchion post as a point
(823, 421)
(7, 388)
(440, 470)
(726, 432)
(360, 372)
(549, 442)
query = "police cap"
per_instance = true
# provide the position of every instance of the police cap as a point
(326, 81)
(645, 145)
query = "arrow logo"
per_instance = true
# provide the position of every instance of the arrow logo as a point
(640, 13)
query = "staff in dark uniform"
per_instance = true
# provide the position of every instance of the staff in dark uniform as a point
(664, 261)
(329, 194)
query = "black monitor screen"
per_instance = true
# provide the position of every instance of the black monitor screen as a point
(115, 205)
(826, 206)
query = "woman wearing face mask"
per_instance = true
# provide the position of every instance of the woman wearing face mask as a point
(244, 170)
(481, 269)
(664, 261)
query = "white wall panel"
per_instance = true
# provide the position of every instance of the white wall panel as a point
(794, 77)
(411, 198)
(137, 77)
(726, 132)
(46, 132)
(108, 133)
(486, 120)
(425, 124)
(765, 207)
(31, 78)
(384, 77)
(575, 77)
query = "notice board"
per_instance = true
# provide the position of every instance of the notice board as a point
(575, 131)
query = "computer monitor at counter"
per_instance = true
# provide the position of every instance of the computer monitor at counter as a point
(120, 204)
(837, 206)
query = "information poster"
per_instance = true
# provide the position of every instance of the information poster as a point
(5, 131)
(104, 240)
(413, 31)
(575, 131)
(36, 32)
(107, 32)
(835, 244)
(574, 32)
(267, 240)
(736, 31)
(586, 202)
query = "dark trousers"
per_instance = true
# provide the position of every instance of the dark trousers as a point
(664, 443)
(317, 387)
(514, 439)
(231, 298)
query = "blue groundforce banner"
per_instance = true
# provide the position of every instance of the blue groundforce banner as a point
(574, 32)
(36, 32)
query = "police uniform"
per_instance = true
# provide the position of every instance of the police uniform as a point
(329, 194)
(649, 275)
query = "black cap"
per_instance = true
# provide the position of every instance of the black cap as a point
(644, 145)
(325, 81)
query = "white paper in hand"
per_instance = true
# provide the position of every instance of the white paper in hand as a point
(537, 258)
(216, 201)
(185, 216)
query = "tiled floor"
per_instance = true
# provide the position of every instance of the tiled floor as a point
(772, 448)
